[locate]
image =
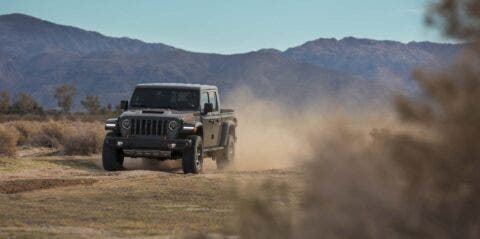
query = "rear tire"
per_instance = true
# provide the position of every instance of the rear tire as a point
(226, 157)
(112, 158)
(192, 161)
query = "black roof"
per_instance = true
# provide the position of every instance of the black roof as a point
(177, 85)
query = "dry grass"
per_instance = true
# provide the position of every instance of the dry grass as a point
(69, 137)
(8, 140)
(127, 204)
(84, 139)
(26, 131)
(51, 134)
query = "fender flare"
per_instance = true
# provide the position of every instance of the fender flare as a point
(227, 128)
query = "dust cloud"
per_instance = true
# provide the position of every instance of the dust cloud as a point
(411, 175)
(269, 136)
(275, 135)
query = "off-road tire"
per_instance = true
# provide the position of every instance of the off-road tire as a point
(112, 158)
(192, 161)
(226, 157)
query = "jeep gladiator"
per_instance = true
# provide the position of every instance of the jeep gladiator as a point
(171, 121)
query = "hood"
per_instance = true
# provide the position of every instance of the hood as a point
(160, 113)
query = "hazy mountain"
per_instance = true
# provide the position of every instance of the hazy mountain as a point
(375, 60)
(36, 56)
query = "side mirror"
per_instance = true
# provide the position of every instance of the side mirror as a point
(207, 108)
(124, 104)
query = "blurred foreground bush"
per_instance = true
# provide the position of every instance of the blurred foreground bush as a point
(420, 183)
(418, 179)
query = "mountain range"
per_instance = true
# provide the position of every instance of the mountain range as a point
(36, 56)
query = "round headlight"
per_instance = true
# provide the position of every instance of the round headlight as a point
(172, 125)
(126, 124)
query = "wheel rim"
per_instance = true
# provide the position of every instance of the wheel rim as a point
(198, 158)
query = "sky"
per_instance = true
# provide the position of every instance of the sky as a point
(234, 26)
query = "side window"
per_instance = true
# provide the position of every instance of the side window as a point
(203, 100)
(213, 97)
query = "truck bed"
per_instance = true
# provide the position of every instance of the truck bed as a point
(227, 111)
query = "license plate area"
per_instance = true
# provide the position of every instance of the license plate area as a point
(147, 153)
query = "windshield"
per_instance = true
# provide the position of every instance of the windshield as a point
(165, 98)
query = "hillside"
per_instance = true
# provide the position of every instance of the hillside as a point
(36, 56)
(375, 60)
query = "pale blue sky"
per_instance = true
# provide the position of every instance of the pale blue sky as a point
(232, 26)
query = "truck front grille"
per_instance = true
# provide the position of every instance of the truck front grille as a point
(149, 127)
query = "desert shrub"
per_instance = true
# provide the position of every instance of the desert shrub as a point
(84, 139)
(51, 134)
(26, 129)
(8, 140)
(70, 137)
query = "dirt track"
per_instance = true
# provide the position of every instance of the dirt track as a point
(23, 185)
(57, 196)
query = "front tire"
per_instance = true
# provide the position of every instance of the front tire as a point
(112, 158)
(226, 157)
(192, 161)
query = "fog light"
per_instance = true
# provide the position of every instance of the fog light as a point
(119, 143)
(171, 146)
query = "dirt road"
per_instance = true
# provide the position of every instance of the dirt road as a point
(50, 196)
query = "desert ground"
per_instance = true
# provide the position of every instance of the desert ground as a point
(46, 195)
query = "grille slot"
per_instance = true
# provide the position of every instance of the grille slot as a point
(148, 127)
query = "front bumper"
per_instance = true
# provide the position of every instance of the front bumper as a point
(148, 143)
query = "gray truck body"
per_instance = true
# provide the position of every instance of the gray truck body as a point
(146, 131)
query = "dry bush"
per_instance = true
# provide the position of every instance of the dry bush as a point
(442, 174)
(8, 140)
(70, 137)
(459, 19)
(26, 129)
(51, 134)
(84, 139)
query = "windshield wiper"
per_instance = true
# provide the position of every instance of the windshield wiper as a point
(164, 107)
(140, 106)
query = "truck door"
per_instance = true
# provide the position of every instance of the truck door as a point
(216, 120)
(207, 121)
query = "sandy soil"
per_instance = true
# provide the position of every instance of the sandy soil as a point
(43, 195)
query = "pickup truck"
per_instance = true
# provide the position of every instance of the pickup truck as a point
(171, 121)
